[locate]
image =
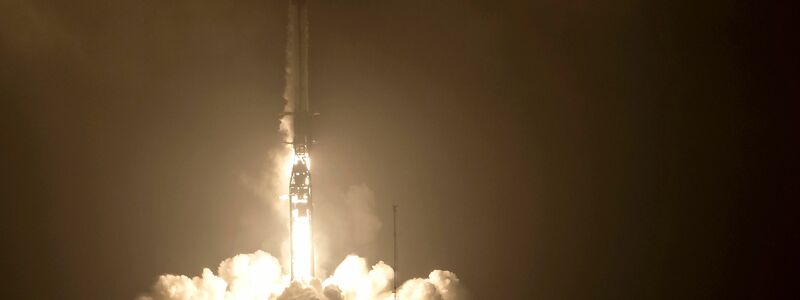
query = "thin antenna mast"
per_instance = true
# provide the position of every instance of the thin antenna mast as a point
(394, 214)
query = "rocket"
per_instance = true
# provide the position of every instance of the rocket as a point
(301, 204)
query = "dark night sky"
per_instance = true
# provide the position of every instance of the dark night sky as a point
(538, 149)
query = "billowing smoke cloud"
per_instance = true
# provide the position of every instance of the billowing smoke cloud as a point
(259, 276)
(439, 285)
(245, 276)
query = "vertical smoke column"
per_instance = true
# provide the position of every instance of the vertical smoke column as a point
(301, 205)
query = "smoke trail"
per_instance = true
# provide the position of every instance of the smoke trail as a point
(291, 90)
(258, 276)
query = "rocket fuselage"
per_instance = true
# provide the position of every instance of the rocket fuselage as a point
(301, 110)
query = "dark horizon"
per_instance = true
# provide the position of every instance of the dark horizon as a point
(538, 149)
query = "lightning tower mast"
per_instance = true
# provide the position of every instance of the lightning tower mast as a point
(396, 266)
(301, 204)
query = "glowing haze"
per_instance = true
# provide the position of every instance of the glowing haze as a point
(262, 276)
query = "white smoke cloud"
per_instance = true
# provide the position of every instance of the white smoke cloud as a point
(355, 281)
(440, 285)
(419, 288)
(446, 283)
(259, 276)
(245, 276)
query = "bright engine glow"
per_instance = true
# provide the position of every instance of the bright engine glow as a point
(301, 208)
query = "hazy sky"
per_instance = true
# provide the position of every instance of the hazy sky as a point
(538, 149)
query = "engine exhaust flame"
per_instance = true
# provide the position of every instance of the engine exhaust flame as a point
(301, 207)
(300, 210)
(301, 248)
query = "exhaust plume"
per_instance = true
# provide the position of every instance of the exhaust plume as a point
(259, 276)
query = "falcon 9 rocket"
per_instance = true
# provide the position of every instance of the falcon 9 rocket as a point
(301, 204)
